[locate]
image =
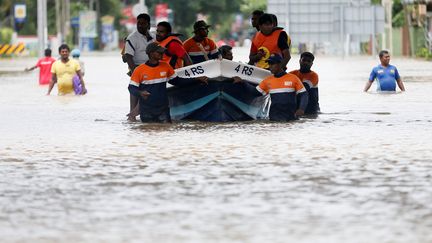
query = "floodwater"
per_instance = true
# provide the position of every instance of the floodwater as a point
(73, 170)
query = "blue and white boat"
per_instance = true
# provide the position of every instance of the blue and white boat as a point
(220, 100)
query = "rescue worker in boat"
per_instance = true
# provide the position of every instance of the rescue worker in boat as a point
(285, 90)
(269, 40)
(175, 53)
(309, 79)
(199, 47)
(148, 84)
(256, 14)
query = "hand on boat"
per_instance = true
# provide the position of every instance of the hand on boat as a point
(145, 94)
(237, 79)
(203, 79)
(299, 112)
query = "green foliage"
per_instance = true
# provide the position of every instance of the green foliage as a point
(248, 6)
(5, 35)
(424, 53)
(398, 14)
(185, 13)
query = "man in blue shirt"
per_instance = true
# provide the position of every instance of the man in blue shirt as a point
(386, 74)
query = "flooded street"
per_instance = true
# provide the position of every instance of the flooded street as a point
(73, 170)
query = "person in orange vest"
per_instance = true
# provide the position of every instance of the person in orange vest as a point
(44, 64)
(201, 48)
(269, 40)
(175, 53)
(148, 84)
(285, 91)
(309, 79)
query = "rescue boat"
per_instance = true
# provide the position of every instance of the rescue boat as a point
(220, 100)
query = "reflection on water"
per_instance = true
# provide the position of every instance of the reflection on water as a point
(72, 168)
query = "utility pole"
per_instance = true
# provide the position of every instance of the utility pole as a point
(62, 19)
(42, 25)
(388, 28)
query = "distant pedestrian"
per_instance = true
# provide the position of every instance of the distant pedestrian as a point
(63, 71)
(201, 48)
(135, 53)
(75, 53)
(386, 74)
(44, 64)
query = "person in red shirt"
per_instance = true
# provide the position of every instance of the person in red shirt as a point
(175, 54)
(44, 64)
(148, 84)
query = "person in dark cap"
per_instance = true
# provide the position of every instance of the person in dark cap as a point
(269, 40)
(148, 84)
(226, 52)
(199, 47)
(284, 89)
(309, 79)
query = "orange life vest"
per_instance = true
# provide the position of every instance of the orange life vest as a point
(173, 60)
(269, 44)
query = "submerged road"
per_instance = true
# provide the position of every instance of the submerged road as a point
(73, 170)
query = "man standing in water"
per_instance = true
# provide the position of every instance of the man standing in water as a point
(284, 89)
(309, 79)
(135, 53)
(63, 71)
(386, 74)
(148, 84)
(44, 64)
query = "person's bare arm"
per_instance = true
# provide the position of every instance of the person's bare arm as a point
(400, 84)
(187, 61)
(52, 82)
(367, 86)
(286, 57)
(30, 69)
(130, 62)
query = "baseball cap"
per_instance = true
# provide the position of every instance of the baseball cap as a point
(75, 53)
(154, 47)
(200, 24)
(274, 58)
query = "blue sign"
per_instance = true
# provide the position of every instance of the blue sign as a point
(74, 22)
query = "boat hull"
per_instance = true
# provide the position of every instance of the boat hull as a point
(218, 101)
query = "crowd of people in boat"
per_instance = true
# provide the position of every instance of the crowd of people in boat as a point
(152, 58)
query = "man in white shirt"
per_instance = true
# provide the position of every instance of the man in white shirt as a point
(135, 53)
